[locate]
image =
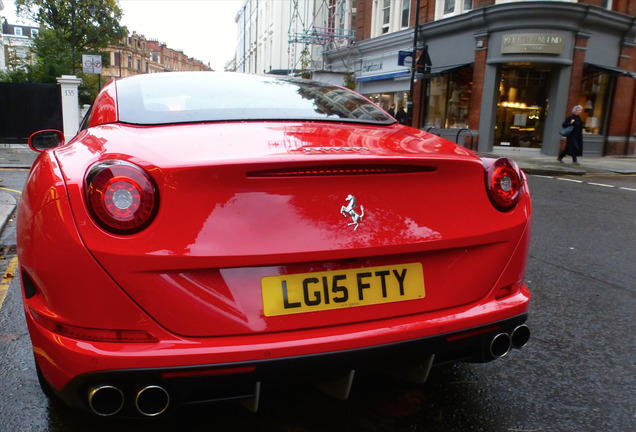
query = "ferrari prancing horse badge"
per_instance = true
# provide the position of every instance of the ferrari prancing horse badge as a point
(350, 209)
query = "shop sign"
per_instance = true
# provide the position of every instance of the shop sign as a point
(405, 58)
(532, 43)
(388, 63)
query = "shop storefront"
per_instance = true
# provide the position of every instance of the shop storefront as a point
(513, 85)
(385, 77)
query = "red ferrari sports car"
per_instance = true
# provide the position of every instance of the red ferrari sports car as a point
(205, 233)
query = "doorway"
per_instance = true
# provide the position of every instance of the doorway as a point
(522, 105)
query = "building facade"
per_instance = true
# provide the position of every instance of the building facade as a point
(136, 55)
(501, 73)
(290, 36)
(15, 45)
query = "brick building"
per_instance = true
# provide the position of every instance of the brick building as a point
(137, 55)
(502, 73)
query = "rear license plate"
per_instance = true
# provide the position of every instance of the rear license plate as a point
(312, 292)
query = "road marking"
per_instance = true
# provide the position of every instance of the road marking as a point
(7, 278)
(605, 185)
(601, 185)
(11, 190)
(569, 180)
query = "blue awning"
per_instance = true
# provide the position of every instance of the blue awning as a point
(383, 76)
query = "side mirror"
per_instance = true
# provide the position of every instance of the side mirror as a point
(46, 139)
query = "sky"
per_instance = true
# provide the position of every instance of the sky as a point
(203, 29)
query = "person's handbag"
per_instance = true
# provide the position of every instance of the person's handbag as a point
(566, 131)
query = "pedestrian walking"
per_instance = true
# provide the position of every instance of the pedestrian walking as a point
(401, 115)
(392, 110)
(574, 138)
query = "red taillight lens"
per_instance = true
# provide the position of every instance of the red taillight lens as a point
(121, 197)
(91, 334)
(504, 183)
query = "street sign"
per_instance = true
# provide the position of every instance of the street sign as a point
(92, 64)
(405, 58)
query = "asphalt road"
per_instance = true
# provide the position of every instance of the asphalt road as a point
(576, 374)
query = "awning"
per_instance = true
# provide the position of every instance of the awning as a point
(611, 70)
(438, 70)
(383, 76)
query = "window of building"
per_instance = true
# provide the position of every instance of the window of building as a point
(406, 9)
(116, 59)
(386, 101)
(446, 8)
(523, 105)
(594, 100)
(34, 32)
(386, 16)
(17, 31)
(449, 99)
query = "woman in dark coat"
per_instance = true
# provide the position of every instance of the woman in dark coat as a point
(574, 145)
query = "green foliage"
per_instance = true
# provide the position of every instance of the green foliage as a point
(51, 51)
(71, 28)
(15, 76)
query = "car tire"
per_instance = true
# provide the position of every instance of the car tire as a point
(44, 385)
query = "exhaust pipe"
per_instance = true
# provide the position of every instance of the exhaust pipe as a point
(152, 400)
(520, 336)
(105, 400)
(500, 345)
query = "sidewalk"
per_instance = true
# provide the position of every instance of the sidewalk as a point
(529, 160)
(534, 163)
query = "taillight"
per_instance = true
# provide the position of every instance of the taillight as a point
(93, 334)
(504, 183)
(121, 197)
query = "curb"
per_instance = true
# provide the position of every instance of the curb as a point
(7, 207)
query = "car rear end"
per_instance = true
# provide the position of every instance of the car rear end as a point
(219, 256)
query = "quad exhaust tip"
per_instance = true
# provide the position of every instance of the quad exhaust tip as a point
(152, 400)
(108, 400)
(500, 345)
(520, 336)
(105, 400)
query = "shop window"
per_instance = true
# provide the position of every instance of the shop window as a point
(449, 99)
(522, 106)
(387, 100)
(594, 95)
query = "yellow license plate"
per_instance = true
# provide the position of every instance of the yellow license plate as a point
(312, 292)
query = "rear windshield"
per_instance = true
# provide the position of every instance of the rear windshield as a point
(188, 97)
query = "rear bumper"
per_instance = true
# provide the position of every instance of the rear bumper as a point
(241, 380)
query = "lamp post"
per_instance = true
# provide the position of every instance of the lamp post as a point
(413, 63)
(92, 9)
